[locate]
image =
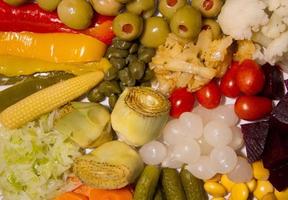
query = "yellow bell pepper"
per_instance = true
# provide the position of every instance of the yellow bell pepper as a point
(52, 47)
(16, 66)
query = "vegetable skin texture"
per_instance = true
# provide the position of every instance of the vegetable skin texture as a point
(112, 165)
(48, 99)
(147, 183)
(117, 194)
(52, 47)
(139, 115)
(17, 66)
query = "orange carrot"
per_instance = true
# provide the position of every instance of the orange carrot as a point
(71, 196)
(84, 190)
(120, 194)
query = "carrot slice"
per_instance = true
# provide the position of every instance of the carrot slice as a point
(120, 194)
(83, 190)
(71, 196)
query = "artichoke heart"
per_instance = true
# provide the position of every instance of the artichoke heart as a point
(112, 165)
(88, 124)
(139, 115)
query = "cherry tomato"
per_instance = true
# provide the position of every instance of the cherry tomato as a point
(252, 107)
(228, 85)
(250, 77)
(181, 101)
(209, 96)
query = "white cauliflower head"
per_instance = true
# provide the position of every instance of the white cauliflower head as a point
(239, 18)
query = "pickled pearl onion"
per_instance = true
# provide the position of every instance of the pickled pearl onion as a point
(242, 172)
(153, 153)
(224, 159)
(174, 132)
(202, 169)
(192, 123)
(217, 133)
(188, 152)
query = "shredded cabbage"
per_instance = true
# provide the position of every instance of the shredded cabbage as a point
(35, 160)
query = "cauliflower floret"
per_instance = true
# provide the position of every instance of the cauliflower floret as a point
(239, 18)
(277, 48)
(275, 27)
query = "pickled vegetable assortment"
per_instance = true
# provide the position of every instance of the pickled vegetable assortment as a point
(143, 99)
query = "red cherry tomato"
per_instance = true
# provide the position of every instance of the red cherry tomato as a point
(209, 96)
(252, 107)
(181, 101)
(250, 77)
(228, 85)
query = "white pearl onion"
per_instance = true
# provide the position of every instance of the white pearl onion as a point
(153, 153)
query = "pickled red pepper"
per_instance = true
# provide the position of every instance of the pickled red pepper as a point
(30, 17)
(52, 47)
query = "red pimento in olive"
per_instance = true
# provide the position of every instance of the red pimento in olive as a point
(181, 101)
(209, 96)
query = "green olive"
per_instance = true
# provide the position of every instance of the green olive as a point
(111, 74)
(15, 2)
(155, 32)
(169, 7)
(208, 8)
(214, 26)
(121, 44)
(118, 63)
(186, 22)
(49, 5)
(137, 69)
(146, 84)
(140, 6)
(106, 7)
(76, 14)
(149, 13)
(146, 54)
(116, 53)
(112, 100)
(95, 95)
(128, 26)
(109, 87)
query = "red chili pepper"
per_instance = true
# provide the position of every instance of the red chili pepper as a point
(30, 17)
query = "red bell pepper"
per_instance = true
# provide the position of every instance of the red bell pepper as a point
(30, 17)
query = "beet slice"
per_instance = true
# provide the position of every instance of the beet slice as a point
(254, 135)
(276, 148)
(274, 83)
(278, 176)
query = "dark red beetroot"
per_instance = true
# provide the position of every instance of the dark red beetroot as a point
(255, 135)
(274, 84)
(275, 155)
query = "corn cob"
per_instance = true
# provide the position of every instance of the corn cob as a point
(48, 99)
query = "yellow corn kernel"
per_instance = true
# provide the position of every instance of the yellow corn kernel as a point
(263, 188)
(48, 99)
(251, 185)
(227, 183)
(218, 198)
(215, 189)
(259, 172)
(239, 191)
(215, 178)
(283, 195)
(269, 196)
(52, 47)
